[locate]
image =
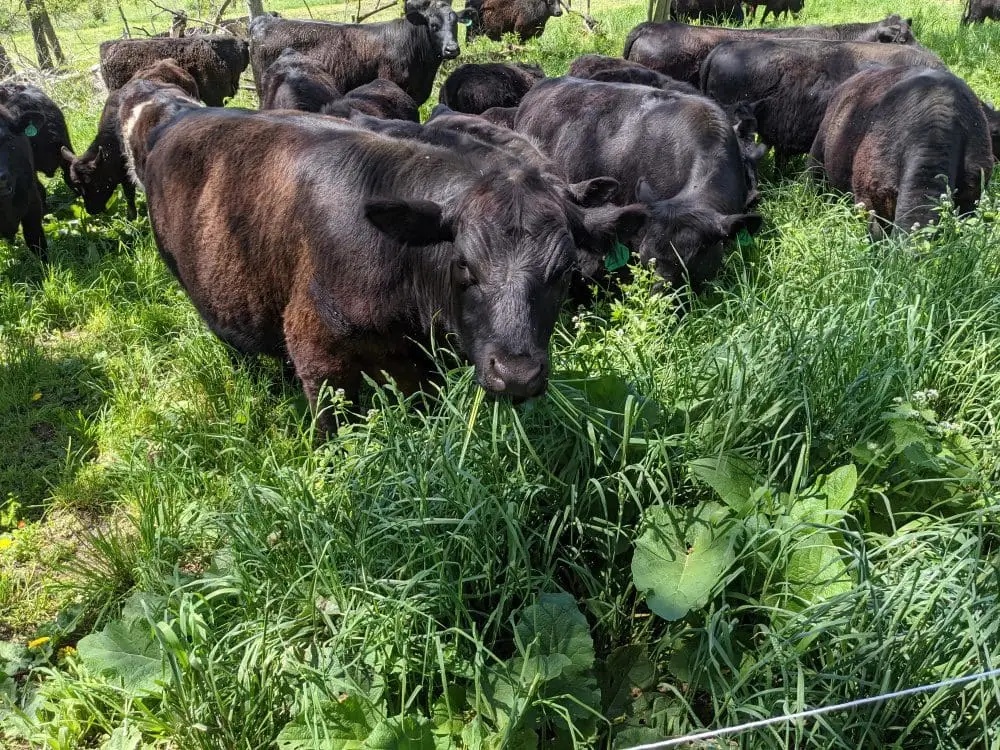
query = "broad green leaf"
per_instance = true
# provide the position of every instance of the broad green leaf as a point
(732, 478)
(626, 668)
(559, 627)
(634, 736)
(681, 557)
(138, 604)
(839, 486)
(446, 713)
(13, 658)
(401, 733)
(343, 725)
(123, 738)
(127, 655)
(815, 570)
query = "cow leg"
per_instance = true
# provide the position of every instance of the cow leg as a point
(41, 194)
(31, 226)
(320, 357)
(128, 190)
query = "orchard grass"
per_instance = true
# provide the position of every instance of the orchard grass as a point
(184, 564)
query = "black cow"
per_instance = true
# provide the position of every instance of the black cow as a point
(215, 62)
(295, 81)
(407, 51)
(20, 199)
(677, 153)
(475, 88)
(708, 10)
(789, 82)
(898, 138)
(380, 98)
(344, 247)
(617, 70)
(45, 127)
(678, 50)
(96, 173)
(526, 18)
(777, 8)
(977, 11)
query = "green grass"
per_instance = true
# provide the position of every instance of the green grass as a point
(402, 578)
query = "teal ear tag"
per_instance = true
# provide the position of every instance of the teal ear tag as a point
(467, 22)
(617, 257)
(31, 131)
(743, 238)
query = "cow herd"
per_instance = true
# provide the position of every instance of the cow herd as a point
(333, 230)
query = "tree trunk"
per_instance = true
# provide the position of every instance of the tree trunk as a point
(6, 69)
(38, 35)
(658, 10)
(256, 8)
(178, 25)
(50, 34)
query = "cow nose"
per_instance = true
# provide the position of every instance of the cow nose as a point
(520, 377)
(557, 12)
(450, 51)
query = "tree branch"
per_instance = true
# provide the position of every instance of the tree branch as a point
(378, 9)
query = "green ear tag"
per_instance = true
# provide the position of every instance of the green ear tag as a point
(617, 257)
(31, 131)
(467, 22)
(743, 238)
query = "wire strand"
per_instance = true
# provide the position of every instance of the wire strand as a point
(711, 734)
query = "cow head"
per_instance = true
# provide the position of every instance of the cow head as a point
(895, 30)
(688, 241)
(15, 154)
(511, 245)
(441, 22)
(553, 7)
(92, 176)
(993, 121)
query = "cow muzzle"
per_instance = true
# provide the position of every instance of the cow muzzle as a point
(517, 377)
(450, 51)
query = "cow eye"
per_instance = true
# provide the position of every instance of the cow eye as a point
(463, 274)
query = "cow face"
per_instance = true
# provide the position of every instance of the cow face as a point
(553, 7)
(895, 30)
(15, 158)
(93, 178)
(688, 242)
(511, 244)
(441, 22)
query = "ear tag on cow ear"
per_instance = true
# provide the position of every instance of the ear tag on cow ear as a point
(31, 131)
(743, 238)
(617, 258)
(467, 22)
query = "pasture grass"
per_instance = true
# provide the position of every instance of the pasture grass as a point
(393, 581)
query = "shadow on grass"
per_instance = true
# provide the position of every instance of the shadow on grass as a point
(46, 401)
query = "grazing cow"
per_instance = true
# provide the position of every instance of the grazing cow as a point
(295, 81)
(898, 138)
(20, 199)
(345, 250)
(789, 82)
(45, 127)
(473, 88)
(993, 120)
(407, 51)
(777, 8)
(617, 70)
(977, 11)
(494, 18)
(677, 153)
(215, 62)
(96, 173)
(678, 50)
(379, 98)
(708, 10)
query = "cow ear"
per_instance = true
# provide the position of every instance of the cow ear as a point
(416, 18)
(620, 222)
(409, 222)
(467, 16)
(644, 192)
(731, 225)
(67, 155)
(595, 192)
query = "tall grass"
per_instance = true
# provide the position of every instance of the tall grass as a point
(390, 570)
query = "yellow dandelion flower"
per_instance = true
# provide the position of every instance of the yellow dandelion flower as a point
(37, 396)
(39, 642)
(6, 542)
(65, 652)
